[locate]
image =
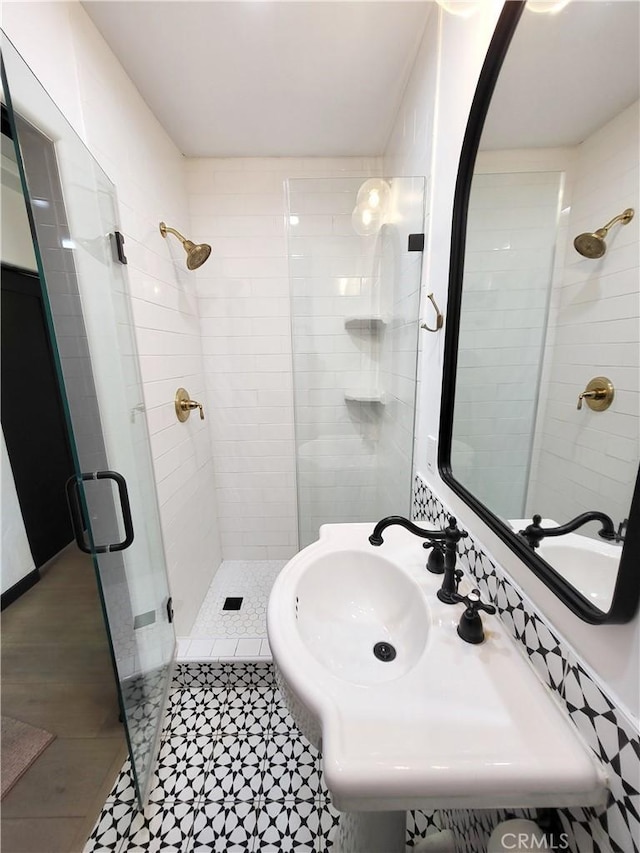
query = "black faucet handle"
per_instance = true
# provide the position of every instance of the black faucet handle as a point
(473, 602)
(533, 533)
(470, 627)
(435, 563)
(622, 530)
(454, 533)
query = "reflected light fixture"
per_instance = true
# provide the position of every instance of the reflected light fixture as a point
(461, 8)
(374, 193)
(371, 206)
(551, 7)
(197, 253)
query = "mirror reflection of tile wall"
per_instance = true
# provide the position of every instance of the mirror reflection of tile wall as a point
(522, 453)
(583, 459)
(511, 238)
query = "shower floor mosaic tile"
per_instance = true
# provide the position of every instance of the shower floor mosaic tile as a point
(219, 633)
(233, 775)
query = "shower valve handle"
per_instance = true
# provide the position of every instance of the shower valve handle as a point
(593, 395)
(599, 394)
(184, 405)
(188, 405)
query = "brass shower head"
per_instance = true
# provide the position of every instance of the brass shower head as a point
(197, 253)
(593, 245)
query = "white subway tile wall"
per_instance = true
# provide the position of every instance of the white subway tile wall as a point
(238, 205)
(149, 173)
(588, 460)
(511, 238)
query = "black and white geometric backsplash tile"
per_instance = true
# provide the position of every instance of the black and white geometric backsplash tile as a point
(604, 726)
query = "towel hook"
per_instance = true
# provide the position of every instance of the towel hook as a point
(439, 316)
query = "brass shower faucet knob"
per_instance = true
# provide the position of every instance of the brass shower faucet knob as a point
(184, 405)
(598, 394)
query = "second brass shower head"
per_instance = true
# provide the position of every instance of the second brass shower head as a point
(197, 253)
(593, 245)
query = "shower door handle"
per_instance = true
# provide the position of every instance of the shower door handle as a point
(75, 511)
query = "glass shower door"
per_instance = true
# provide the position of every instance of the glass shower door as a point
(355, 293)
(72, 206)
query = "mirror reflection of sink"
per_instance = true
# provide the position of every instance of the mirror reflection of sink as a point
(444, 724)
(349, 602)
(590, 565)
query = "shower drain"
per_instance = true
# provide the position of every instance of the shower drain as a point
(384, 651)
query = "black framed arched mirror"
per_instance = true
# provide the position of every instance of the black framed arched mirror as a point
(551, 153)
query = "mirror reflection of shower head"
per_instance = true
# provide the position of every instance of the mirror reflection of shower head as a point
(197, 253)
(593, 245)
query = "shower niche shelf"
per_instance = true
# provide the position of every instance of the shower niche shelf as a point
(373, 323)
(365, 395)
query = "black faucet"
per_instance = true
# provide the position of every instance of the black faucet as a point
(534, 534)
(470, 628)
(450, 537)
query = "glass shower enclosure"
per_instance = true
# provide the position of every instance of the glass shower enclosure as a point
(355, 290)
(74, 220)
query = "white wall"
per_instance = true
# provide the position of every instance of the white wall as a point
(16, 560)
(238, 205)
(16, 245)
(611, 652)
(17, 249)
(65, 51)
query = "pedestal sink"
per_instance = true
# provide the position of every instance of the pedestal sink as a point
(442, 724)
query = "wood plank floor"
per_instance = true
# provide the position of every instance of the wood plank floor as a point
(57, 674)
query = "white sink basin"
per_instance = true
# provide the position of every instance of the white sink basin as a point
(347, 602)
(590, 565)
(445, 724)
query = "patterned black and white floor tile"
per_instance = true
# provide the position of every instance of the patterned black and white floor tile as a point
(112, 827)
(223, 828)
(233, 774)
(123, 790)
(197, 712)
(252, 675)
(248, 711)
(237, 769)
(200, 675)
(289, 826)
(181, 769)
(292, 770)
(161, 828)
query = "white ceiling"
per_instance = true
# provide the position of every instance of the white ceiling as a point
(566, 75)
(247, 79)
